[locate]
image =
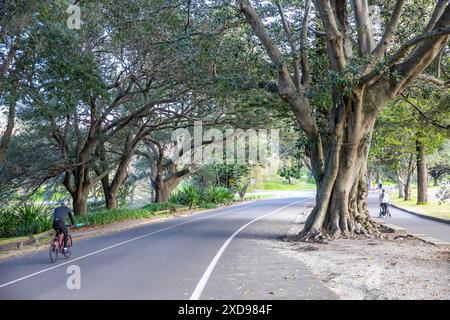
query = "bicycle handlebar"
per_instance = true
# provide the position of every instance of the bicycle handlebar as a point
(78, 225)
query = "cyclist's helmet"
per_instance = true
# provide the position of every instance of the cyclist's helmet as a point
(63, 202)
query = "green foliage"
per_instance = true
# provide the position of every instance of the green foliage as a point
(105, 217)
(284, 185)
(194, 196)
(8, 222)
(444, 195)
(31, 219)
(25, 220)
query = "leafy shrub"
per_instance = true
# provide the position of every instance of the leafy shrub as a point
(8, 222)
(193, 196)
(25, 220)
(31, 219)
(116, 215)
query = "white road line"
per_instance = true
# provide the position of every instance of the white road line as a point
(124, 242)
(204, 279)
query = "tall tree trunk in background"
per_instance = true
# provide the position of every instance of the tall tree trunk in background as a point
(79, 189)
(422, 174)
(162, 192)
(12, 101)
(435, 181)
(409, 176)
(401, 185)
(80, 199)
(167, 179)
(132, 195)
(7, 134)
(111, 189)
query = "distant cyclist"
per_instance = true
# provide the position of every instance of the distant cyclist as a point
(59, 215)
(384, 201)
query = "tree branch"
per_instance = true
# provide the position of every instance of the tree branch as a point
(386, 39)
(401, 52)
(432, 121)
(335, 37)
(435, 80)
(303, 51)
(366, 41)
(287, 30)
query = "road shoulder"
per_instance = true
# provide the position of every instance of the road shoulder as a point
(392, 267)
(252, 268)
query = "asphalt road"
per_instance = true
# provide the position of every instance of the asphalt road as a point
(215, 255)
(412, 223)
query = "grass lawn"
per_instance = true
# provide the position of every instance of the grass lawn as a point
(282, 184)
(253, 196)
(433, 208)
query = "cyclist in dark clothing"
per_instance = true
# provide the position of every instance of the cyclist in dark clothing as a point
(59, 215)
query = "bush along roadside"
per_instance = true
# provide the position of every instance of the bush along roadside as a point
(27, 220)
(116, 215)
(195, 196)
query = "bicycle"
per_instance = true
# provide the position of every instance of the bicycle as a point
(57, 245)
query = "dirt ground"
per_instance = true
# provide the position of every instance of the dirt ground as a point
(375, 269)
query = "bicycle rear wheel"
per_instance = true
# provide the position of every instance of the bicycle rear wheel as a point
(69, 247)
(53, 252)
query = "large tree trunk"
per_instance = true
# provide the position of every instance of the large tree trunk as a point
(341, 202)
(341, 208)
(162, 192)
(110, 199)
(79, 190)
(422, 174)
(164, 187)
(111, 189)
(79, 199)
(409, 175)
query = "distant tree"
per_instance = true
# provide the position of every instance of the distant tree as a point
(439, 163)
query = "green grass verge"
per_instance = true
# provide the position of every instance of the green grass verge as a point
(433, 208)
(254, 197)
(284, 185)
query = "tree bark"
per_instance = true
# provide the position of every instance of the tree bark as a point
(7, 134)
(164, 186)
(110, 199)
(435, 181)
(401, 185)
(341, 195)
(409, 174)
(79, 199)
(162, 193)
(111, 189)
(422, 174)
